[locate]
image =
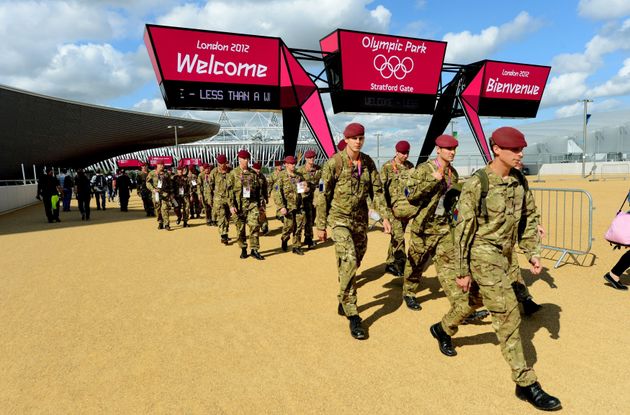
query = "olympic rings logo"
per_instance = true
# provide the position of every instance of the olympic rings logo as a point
(394, 66)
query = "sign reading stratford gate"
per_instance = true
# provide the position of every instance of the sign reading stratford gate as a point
(201, 69)
(381, 73)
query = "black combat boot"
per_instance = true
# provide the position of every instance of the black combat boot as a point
(309, 242)
(444, 340)
(160, 226)
(179, 220)
(285, 245)
(356, 329)
(392, 269)
(256, 254)
(167, 227)
(298, 251)
(243, 253)
(530, 307)
(535, 395)
(476, 316)
(224, 239)
(185, 224)
(340, 310)
(412, 303)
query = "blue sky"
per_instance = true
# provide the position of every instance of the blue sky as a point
(92, 51)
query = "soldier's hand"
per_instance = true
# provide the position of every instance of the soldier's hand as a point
(387, 226)
(439, 174)
(536, 267)
(233, 210)
(541, 231)
(464, 283)
(283, 211)
(321, 235)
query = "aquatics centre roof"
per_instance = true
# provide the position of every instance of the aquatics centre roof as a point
(40, 130)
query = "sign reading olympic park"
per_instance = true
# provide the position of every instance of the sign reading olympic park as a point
(511, 89)
(166, 160)
(381, 73)
(203, 70)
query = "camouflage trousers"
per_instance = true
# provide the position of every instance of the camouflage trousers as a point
(350, 246)
(309, 218)
(396, 252)
(195, 204)
(516, 279)
(293, 225)
(221, 213)
(182, 209)
(489, 268)
(206, 205)
(162, 210)
(248, 216)
(421, 249)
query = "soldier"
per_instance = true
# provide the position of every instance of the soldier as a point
(194, 202)
(288, 196)
(348, 179)
(425, 189)
(220, 196)
(271, 183)
(181, 190)
(311, 173)
(485, 234)
(264, 198)
(203, 180)
(244, 201)
(393, 176)
(160, 185)
(144, 192)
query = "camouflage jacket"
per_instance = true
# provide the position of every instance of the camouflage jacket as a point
(286, 194)
(141, 179)
(312, 177)
(271, 180)
(392, 174)
(194, 182)
(205, 189)
(218, 186)
(343, 199)
(427, 192)
(264, 192)
(161, 183)
(239, 183)
(181, 186)
(498, 233)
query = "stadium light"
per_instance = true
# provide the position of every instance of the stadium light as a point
(585, 101)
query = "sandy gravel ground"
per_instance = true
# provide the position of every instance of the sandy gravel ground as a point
(113, 316)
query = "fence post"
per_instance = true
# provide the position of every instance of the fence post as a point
(23, 174)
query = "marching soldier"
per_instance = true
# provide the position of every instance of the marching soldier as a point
(219, 194)
(194, 202)
(160, 186)
(205, 190)
(144, 192)
(244, 201)
(264, 198)
(271, 182)
(348, 179)
(288, 196)
(485, 234)
(181, 190)
(393, 176)
(425, 189)
(311, 173)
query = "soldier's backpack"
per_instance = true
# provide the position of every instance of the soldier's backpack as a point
(337, 157)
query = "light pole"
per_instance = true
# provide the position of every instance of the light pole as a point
(378, 149)
(175, 128)
(585, 101)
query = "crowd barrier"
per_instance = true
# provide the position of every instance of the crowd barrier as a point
(567, 216)
(614, 171)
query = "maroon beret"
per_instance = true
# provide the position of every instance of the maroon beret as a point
(243, 154)
(221, 159)
(205, 165)
(342, 144)
(446, 140)
(290, 160)
(403, 146)
(277, 163)
(353, 129)
(508, 137)
(257, 165)
(309, 154)
(181, 167)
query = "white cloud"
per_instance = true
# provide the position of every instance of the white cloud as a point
(151, 106)
(468, 47)
(617, 85)
(578, 108)
(604, 9)
(565, 88)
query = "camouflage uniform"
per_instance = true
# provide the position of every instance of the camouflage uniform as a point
(308, 198)
(145, 193)
(239, 182)
(286, 196)
(160, 185)
(220, 196)
(342, 205)
(484, 247)
(392, 174)
(181, 190)
(205, 189)
(428, 226)
(264, 200)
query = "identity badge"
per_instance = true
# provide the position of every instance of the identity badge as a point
(247, 192)
(301, 187)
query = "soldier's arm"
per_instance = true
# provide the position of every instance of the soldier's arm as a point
(386, 182)
(325, 197)
(231, 196)
(529, 239)
(466, 225)
(419, 184)
(149, 183)
(378, 194)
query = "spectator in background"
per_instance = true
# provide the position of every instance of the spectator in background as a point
(617, 271)
(82, 188)
(67, 184)
(122, 185)
(99, 186)
(48, 190)
(111, 188)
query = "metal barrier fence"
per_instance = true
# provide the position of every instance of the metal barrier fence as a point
(567, 216)
(614, 171)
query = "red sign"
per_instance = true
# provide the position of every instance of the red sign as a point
(129, 163)
(167, 160)
(201, 56)
(383, 63)
(190, 162)
(505, 80)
